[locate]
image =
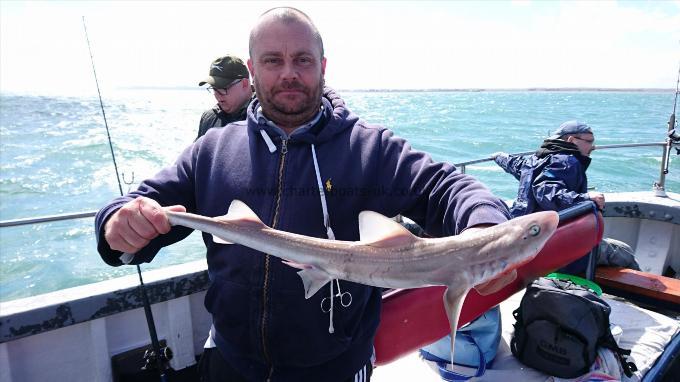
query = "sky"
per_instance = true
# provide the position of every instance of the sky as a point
(369, 45)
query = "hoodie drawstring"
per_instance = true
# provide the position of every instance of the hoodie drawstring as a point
(324, 206)
(268, 141)
(329, 233)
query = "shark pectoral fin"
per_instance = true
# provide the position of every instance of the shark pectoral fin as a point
(313, 280)
(219, 240)
(241, 213)
(380, 231)
(453, 303)
(296, 265)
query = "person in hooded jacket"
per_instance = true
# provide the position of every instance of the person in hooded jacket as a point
(554, 178)
(305, 164)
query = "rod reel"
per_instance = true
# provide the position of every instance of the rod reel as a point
(152, 362)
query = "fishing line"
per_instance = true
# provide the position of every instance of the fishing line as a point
(677, 90)
(145, 298)
(672, 139)
(101, 105)
(673, 136)
(671, 121)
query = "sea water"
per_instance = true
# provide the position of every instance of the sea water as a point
(55, 157)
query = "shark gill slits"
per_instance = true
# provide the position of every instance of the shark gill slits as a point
(534, 230)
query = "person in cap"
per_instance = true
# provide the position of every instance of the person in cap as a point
(554, 178)
(229, 82)
(306, 164)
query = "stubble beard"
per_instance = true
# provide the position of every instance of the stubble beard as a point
(287, 115)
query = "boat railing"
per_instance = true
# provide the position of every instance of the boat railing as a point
(462, 166)
(659, 186)
(47, 219)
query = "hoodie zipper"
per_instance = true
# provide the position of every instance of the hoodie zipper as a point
(267, 260)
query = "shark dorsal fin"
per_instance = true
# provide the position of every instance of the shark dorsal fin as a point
(219, 240)
(380, 231)
(241, 213)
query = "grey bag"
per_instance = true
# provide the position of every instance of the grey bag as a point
(559, 327)
(617, 254)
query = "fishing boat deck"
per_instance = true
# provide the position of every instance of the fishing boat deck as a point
(645, 332)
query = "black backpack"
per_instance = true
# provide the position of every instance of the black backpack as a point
(559, 327)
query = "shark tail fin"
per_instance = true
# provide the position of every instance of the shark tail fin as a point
(313, 280)
(239, 213)
(380, 231)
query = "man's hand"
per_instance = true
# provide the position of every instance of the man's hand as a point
(135, 224)
(598, 198)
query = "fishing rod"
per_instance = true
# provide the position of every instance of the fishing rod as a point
(157, 355)
(673, 138)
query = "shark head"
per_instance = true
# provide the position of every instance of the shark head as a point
(506, 246)
(525, 236)
(536, 229)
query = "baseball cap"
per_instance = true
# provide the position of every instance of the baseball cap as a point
(224, 71)
(571, 127)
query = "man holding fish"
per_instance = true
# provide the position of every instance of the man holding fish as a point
(304, 164)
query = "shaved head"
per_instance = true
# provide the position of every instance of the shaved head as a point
(287, 66)
(284, 15)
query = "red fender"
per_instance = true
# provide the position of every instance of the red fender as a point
(413, 318)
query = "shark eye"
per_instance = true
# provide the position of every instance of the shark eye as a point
(534, 230)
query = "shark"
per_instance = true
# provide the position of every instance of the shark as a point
(387, 254)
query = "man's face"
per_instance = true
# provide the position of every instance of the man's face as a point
(231, 98)
(287, 70)
(584, 142)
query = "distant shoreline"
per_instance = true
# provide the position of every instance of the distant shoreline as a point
(515, 90)
(532, 89)
(4, 92)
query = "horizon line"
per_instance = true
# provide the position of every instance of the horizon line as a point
(397, 90)
(475, 89)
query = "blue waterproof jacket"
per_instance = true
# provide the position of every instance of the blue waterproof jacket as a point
(552, 179)
(265, 328)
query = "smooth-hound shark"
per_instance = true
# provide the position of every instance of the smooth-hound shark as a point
(388, 255)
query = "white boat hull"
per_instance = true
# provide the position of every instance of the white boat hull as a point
(650, 225)
(52, 339)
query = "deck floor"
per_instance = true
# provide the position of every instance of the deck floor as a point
(644, 332)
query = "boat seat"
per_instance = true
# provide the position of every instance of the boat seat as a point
(413, 318)
(640, 285)
(653, 245)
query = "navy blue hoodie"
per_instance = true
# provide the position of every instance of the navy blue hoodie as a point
(264, 325)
